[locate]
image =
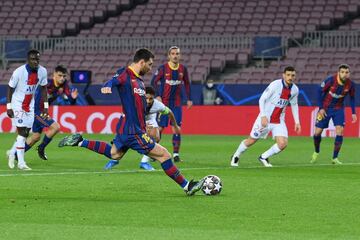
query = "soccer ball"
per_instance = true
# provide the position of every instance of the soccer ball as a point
(212, 185)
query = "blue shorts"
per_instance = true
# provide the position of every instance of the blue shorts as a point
(164, 119)
(141, 143)
(337, 116)
(40, 123)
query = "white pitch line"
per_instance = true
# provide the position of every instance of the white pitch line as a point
(76, 172)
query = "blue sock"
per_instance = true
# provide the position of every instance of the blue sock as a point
(27, 147)
(337, 145)
(45, 142)
(176, 141)
(97, 146)
(172, 171)
(317, 141)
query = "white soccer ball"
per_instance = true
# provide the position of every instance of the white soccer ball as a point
(212, 185)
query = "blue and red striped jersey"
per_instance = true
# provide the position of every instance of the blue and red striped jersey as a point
(331, 93)
(131, 90)
(168, 83)
(53, 93)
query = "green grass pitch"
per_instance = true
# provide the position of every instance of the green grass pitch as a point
(71, 197)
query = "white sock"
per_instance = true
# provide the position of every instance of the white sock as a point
(13, 149)
(271, 151)
(145, 159)
(20, 149)
(242, 148)
(175, 154)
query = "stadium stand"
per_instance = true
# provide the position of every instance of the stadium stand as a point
(126, 18)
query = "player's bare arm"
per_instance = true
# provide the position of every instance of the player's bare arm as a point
(322, 113)
(264, 121)
(46, 103)
(189, 104)
(177, 128)
(9, 110)
(354, 118)
(74, 93)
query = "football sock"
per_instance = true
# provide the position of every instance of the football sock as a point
(20, 149)
(145, 159)
(337, 145)
(176, 141)
(13, 149)
(271, 151)
(172, 171)
(317, 141)
(97, 146)
(27, 147)
(45, 142)
(242, 148)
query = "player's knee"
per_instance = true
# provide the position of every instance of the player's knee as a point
(56, 127)
(166, 154)
(35, 138)
(282, 145)
(157, 138)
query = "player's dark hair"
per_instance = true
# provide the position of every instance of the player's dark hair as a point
(61, 68)
(289, 68)
(173, 47)
(343, 65)
(33, 52)
(150, 90)
(143, 53)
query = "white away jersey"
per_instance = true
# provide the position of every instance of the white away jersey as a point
(157, 107)
(274, 100)
(26, 81)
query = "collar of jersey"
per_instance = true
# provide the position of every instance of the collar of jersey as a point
(173, 68)
(135, 73)
(284, 84)
(29, 69)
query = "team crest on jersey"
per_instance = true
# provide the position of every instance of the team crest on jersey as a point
(157, 72)
(20, 121)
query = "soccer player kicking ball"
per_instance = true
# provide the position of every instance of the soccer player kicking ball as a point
(131, 128)
(331, 96)
(271, 118)
(153, 108)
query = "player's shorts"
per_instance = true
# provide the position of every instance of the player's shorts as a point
(22, 118)
(337, 116)
(152, 122)
(40, 123)
(141, 143)
(276, 129)
(164, 119)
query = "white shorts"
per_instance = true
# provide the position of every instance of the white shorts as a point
(276, 129)
(152, 122)
(23, 119)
